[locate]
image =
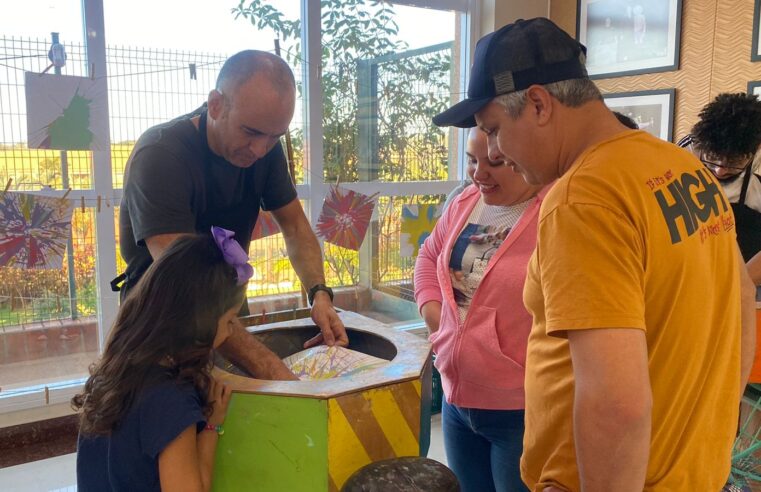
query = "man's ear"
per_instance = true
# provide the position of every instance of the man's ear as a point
(540, 103)
(215, 104)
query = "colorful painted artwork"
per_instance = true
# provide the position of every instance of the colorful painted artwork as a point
(265, 226)
(344, 218)
(417, 224)
(323, 362)
(33, 230)
(66, 113)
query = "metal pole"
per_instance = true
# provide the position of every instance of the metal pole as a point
(69, 243)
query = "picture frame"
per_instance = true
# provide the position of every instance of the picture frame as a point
(652, 110)
(754, 87)
(755, 47)
(629, 37)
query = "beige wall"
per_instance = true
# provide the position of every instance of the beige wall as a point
(497, 13)
(714, 56)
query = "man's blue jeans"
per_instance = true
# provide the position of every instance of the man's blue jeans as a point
(484, 447)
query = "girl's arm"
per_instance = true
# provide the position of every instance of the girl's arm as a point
(179, 468)
(187, 463)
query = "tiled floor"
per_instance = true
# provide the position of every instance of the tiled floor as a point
(59, 474)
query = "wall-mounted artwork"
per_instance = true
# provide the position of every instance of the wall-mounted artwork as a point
(627, 37)
(33, 230)
(66, 113)
(344, 218)
(417, 224)
(755, 53)
(653, 111)
(265, 226)
(754, 88)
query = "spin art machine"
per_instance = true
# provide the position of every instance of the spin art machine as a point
(312, 435)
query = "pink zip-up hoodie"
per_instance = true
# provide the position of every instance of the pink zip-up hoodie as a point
(482, 360)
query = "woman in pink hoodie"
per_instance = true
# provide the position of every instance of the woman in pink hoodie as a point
(469, 279)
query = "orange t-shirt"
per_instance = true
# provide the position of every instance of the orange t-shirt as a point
(637, 234)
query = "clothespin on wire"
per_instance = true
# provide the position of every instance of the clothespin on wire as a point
(7, 187)
(192, 68)
(56, 54)
(97, 206)
(92, 71)
(63, 198)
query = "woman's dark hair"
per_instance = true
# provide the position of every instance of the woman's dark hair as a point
(729, 126)
(169, 319)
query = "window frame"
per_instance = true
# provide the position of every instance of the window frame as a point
(312, 191)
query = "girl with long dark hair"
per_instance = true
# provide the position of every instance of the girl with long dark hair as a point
(150, 411)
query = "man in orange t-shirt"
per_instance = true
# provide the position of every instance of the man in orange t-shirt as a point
(634, 363)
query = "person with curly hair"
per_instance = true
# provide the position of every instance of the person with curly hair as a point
(726, 139)
(150, 412)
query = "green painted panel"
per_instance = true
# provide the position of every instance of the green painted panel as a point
(273, 443)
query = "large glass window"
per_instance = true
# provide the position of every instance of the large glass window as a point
(48, 329)
(385, 69)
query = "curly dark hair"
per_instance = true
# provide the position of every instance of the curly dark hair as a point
(171, 315)
(729, 126)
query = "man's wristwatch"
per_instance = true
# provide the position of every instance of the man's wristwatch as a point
(314, 289)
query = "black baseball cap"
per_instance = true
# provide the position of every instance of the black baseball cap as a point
(517, 56)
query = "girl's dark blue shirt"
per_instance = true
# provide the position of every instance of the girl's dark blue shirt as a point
(127, 459)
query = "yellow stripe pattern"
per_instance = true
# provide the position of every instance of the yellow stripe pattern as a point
(371, 426)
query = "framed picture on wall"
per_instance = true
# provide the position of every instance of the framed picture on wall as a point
(755, 49)
(754, 87)
(653, 111)
(628, 37)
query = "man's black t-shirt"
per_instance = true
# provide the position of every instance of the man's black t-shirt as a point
(173, 179)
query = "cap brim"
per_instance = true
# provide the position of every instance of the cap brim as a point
(462, 114)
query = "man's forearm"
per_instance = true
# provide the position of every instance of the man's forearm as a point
(306, 257)
(612, 445)
(612, 408)
(245, 351)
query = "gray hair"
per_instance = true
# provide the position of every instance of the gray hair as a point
(572, 93)
(242, 66)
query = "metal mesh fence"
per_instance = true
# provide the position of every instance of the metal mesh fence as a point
(392, 139)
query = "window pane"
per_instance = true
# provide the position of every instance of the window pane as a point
(176, 63)
(47, 330)
(394, 270)
(388, 69)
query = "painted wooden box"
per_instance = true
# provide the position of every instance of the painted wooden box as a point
(312, 435)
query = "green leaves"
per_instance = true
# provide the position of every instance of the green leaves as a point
(410, 89)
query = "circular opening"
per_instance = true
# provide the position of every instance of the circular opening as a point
(287, 340)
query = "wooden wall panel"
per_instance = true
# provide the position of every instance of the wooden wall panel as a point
(714, 56)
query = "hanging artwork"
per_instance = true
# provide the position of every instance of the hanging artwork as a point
(417, 225)
(33, 230)
(265, 226)
(652, 110)
(344, 218)
(66, 113)
(628, 37)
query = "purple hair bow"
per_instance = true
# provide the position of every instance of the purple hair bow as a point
(233, 253)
